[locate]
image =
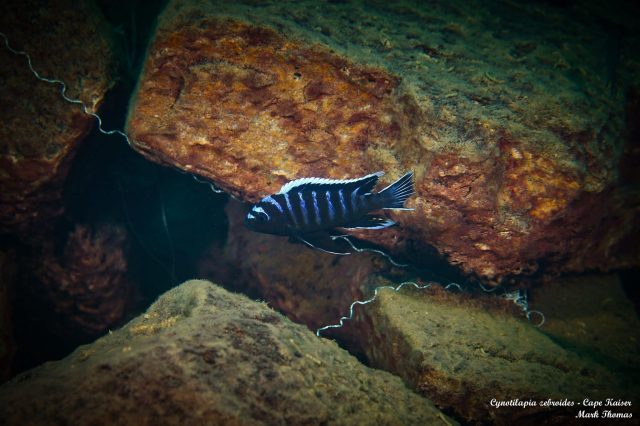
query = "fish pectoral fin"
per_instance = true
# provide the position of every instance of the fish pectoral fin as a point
(326, 242)
(370, 222)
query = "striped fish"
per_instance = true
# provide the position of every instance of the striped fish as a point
(309, 209)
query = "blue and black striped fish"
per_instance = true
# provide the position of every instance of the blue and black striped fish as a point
(310, 208)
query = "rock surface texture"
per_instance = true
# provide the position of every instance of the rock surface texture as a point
(201, 355)
(84, 287)
(40, 131)
(511, 119)
(592, 314)
(461, 353)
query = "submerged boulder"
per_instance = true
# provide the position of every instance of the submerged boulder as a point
(463, 353)
(508, 116)
(202, 355)
(66, 41)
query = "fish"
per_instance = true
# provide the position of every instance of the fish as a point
(310, 209)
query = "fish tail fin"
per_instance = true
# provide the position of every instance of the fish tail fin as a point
(395, 195)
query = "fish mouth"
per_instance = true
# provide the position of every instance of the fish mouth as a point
(251, 222)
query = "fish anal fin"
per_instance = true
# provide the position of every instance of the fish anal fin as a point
(370, 222)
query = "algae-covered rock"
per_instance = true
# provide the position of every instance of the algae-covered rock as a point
(462, 353)
(66, 41)
(512, 117)
(202, 355)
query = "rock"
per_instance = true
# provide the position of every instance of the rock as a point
(67, 41)
(85, 287)
(591, 313)
(461, 353)
(202, 355)
(454, 348)
(69, 291)
(514, 136)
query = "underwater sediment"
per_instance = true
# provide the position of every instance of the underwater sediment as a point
(512, 130)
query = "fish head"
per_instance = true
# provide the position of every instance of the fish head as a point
(257, 218)
(263, 219)
(269, 216)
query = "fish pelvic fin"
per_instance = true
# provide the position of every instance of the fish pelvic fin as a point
(327, 241)
(395, 195)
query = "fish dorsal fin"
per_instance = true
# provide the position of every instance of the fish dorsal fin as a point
(366, 183)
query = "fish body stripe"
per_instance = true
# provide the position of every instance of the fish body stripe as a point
(307, 210)
(275, 203)
(308, 205)
(335, 202)
(330, 208)
(291, 214)
(303, 209)
(343, 204)
(354, 200)
(259, 209)
(316, 209)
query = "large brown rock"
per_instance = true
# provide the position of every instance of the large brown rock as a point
(506, 114)
(65, 292)
(40, 131)
(202, 355)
